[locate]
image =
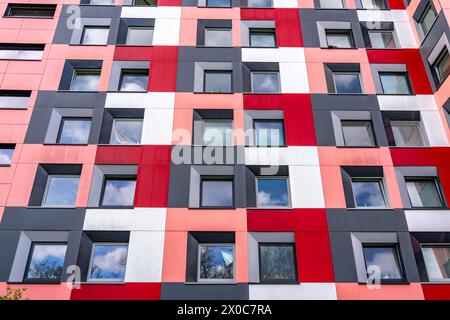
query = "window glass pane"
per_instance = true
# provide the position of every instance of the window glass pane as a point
(217, 81)
(6, 154)
(424, 193)
(14, 99)
(265, 82)
(217, 193)
(126, 131)
(272, 192)
(395, 83)
(347, 83)
(277, 262)
(217, 37)
(331, 4)
(218, 3)
(269, 133)
(134, 80)
(102, 2)
(386, 259)
(407, 134)
(442, 65)
(437, 262)
(358, 133)
(95, 35)
(61, 191)
(339, 39)
(368, 194)
(427, 20)
(260, 3)
(46, 261)
(108, 262)
(374, 4)
(74, 131)
(382, 40)
(118, 192)
(140, 36)
(85, 80)
(30, 11)
(19, 53)
(216, 262)
(218, 133)
(264, 38)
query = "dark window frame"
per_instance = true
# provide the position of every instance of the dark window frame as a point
(438, 186)
(440, 58)
(405, 74)
(265, 31)
(134, 72)
(348, 32)
(61, 126)
(85, 71)
(278, 281)
(217, 178)
(254, 121)
(372, 132)
(398, 260)
(116, 178)
(205, 72)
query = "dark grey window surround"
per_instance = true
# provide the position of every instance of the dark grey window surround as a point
(71, 66)
(110, 114)
(203, 24)
(331, 68)
(389, 116)
(126, 23)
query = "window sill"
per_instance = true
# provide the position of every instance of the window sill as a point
(111, 207)
(370, 209)
(88, 45)
(358, 147)
(66, 144)
(213, 208)
(426, 208)
(210, 283)
(39, 282)
(443, 282)
(201, 92)
(270, 208)
(412, 147)
(389, 283)
(134, 45)
(45, 18)
(264, 93)
(50, 207)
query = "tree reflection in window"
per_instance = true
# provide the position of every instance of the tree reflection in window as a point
(46, 262)
(216, 262)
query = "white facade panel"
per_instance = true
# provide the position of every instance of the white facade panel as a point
(306, 187)
(428, 220)
(304, 291)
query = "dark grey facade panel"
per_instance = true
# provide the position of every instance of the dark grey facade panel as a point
(181, 291)
(332, 102)
(67, 99)
(8, 245)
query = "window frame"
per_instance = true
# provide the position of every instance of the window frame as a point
(61, 127)
(255, 135)
(428, 8)
(288, 189)
(437, 186)
(113, 126)
(206, 29)
(86, 71)
(392, 32)
(215, 281)
(266, 31)
(29, 6)
(294, 256)
(47, 185)
(8, 146)
(217, 178)
(398, 260)
(383, 189)
(347, 32)
(419, 124)
(87, 27)
(405, 74)
(252, 73)
(220, 120)
(133, 72)
(371, 133)
(440, 58)
(115, 178)
(205, 72)
(91, 261)
(228, 6)
(385, 4)
(433, 245)
(139, 28)
(358, 73)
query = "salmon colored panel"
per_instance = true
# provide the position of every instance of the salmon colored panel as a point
(182, 127)
(178, 219)
(41, 24)
(52, 75)
(440, 4)
(333, 190)
(64, 51)
(21, 81)
(206, 101)
(12, 133)
(238, 127)
(316, 77)
(241, 247)
(9, 23)
(4, 191)
(16, 154)
(351, 4)
(84, 184)
(20, 191)
(336, 55)
(441, 95)
(395, 198)
(10, 36)
(189, 35)
(174, 260)
(210, 13)
(354, 156)
(306, 4)
(366, 75)
(35, 36)
(236, 33)
(354, 291)
(30, 67)
(105, 75)
(7, 173)
(3, 65)
(36, 153)
(40, 291)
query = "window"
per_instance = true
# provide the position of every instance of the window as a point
(442, 65)
(382, 39)
(218, 3)
(259, 3)
(217, 37)
(395, 83)
(133, 80)
(386, 258)
(74, 131)
(437, 262)
(14, 99)
(45, 262)
(17, 10)
(60, 191)
(215, 262)
(374, 4)
(357, 133)
(118, 191)
(152, 3)
(427, 19)
(368, 193)
(339, 39)
(424, 193)
(277, 263)
(272, 192)
(331, 4)
(217, 81)
(95, 35)
(218, 132)
(347, 82)
(265, 82)
(408, 134)
(269, 133)
(85, 80)
(102, 2)
(126, 131)
(262, 38)
(6, 153)
(139, 36)
(10, 51)
(108, 262)
(216, 193)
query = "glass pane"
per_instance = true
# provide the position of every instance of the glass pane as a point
(272, 192)
(126, 131)
(269, 133)
(264, 39)
(382, 40)
(331, 4)
(347, 83)
(265, 82)
(118, 192)
(407, 134)
(423, 193)
(61, 191)
(217, 81)
(109, 262)
(9, 54)
(47, 261)
(218, 3)
(216, 262)
(277, 262)
(427, 20)
(218, 37)
(134, 81)
(443, 65)
(86, 81)
(339, 40)
(102, 2)
(140, 36)
(368, 194)
(144, 2)
(437, 262)
(10, 101)
(395, 83)
(358, 133)
(260, 3)
(217, 193)
(386, 259)
(75, 131)
(374, 4)
(95, 36)
(218, 133)
(6, 155)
